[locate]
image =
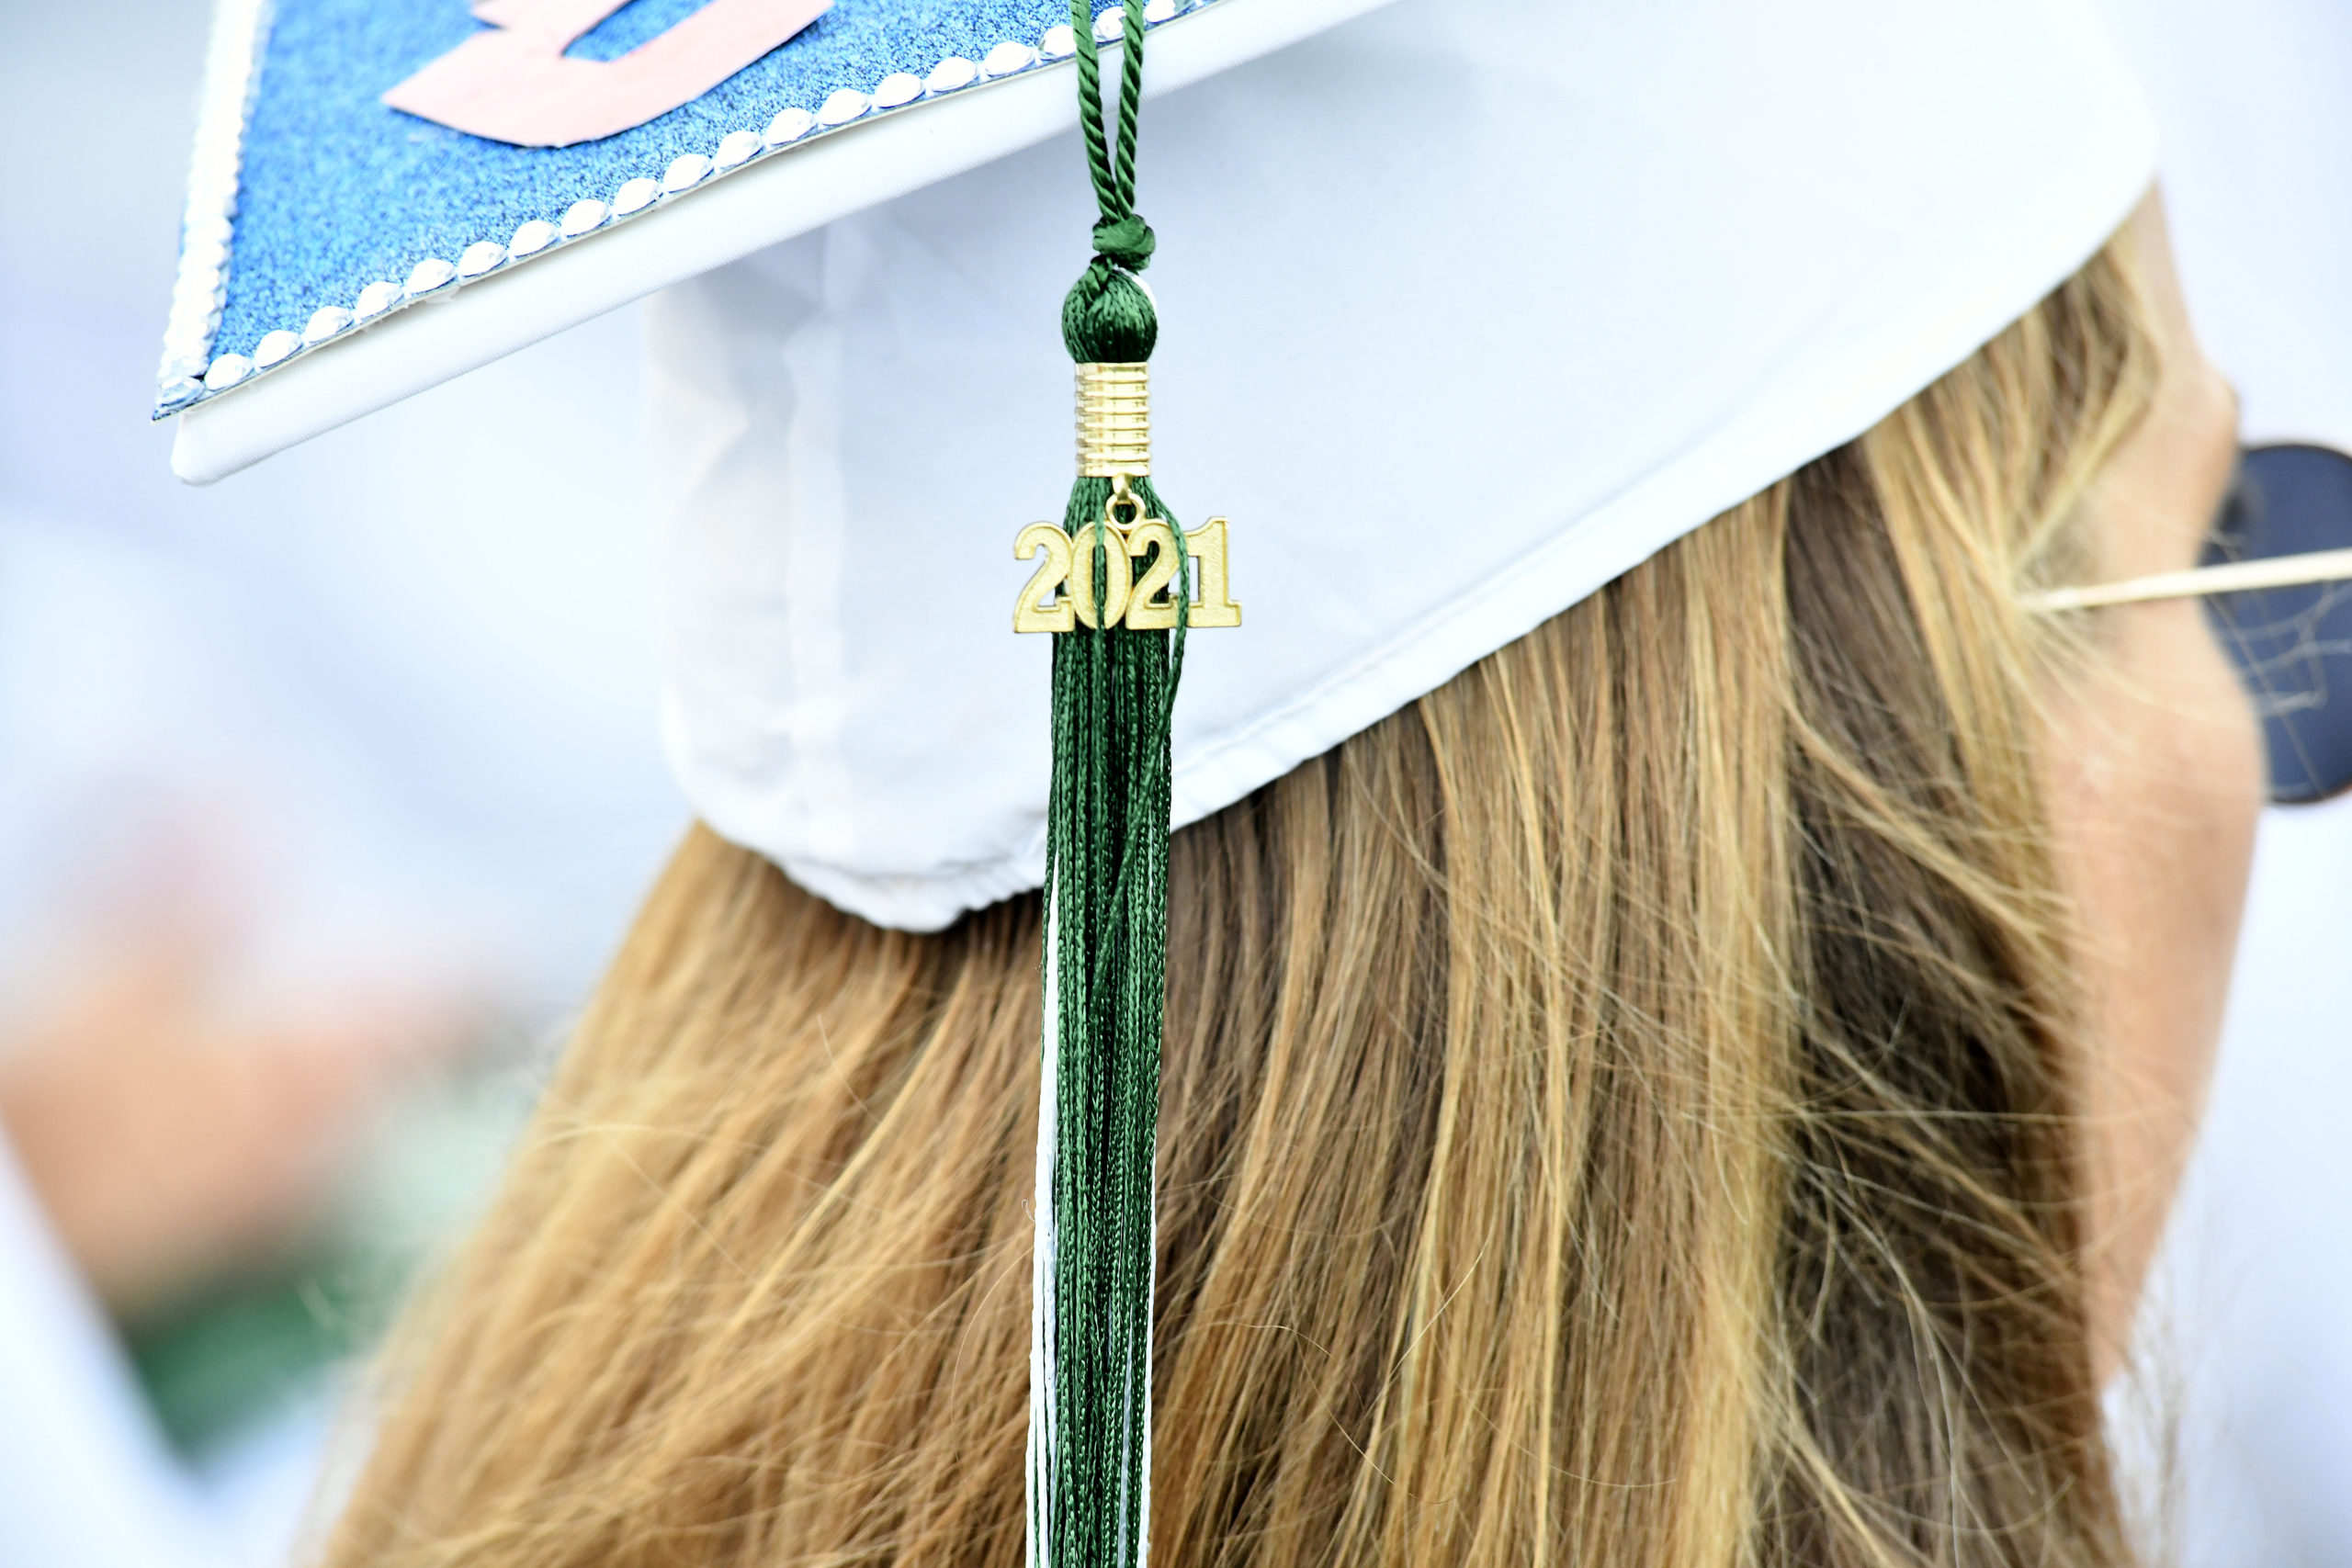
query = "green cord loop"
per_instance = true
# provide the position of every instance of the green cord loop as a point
(1113, 174)
(1108, 317)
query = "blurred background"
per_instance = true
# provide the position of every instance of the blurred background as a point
(325, 794)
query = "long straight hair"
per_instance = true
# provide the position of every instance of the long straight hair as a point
(1619, 1110)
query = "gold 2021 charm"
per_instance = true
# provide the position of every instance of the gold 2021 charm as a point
(1059, 595)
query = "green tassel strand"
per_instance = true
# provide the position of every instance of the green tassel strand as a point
(1107, 869)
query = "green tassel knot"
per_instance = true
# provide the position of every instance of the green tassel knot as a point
(1108, 317)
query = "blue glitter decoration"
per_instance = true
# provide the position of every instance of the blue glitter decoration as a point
(337, 191)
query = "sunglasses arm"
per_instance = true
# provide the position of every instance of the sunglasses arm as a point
(2235, 577)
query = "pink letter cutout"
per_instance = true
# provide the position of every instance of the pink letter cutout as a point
(515, 83)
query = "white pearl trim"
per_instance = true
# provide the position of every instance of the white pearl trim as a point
(737, 147)
(427, 276)
(375, 300)
(788, 127)
(274, 347)
(897, 90)
(482, 256)
(1009, 59)
(634, 196)
(951, 74)
(186, 373)
(844, 105)
(327, 322)
(190, 372)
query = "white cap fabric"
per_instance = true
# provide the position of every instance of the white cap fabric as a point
(1467, 307)
(2257, 177)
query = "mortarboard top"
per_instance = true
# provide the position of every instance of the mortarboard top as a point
(320, 217)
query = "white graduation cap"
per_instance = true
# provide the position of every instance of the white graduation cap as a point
(1470, 306)
(1522, 292)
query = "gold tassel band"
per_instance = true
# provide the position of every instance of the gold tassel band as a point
(1113, 421)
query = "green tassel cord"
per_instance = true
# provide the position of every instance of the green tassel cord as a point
(1106, 903)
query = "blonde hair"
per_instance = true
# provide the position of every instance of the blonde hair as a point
(1618, 1109)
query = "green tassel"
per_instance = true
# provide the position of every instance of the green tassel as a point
(1107, 871)
(1113, 690)
(1106, 936)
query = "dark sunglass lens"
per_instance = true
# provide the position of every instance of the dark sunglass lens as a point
(2293, 646)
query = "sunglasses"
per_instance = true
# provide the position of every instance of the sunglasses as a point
(2277, 581)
